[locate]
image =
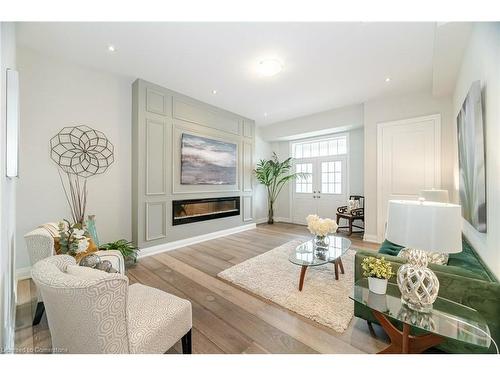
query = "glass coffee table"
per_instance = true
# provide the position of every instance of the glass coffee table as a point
(447, 319)
(308, 255)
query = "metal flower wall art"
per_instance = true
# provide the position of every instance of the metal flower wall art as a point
(80, 152)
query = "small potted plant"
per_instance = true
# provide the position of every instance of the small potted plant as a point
(127, 248)
(378, 271)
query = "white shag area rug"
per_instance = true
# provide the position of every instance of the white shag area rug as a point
(323, 299)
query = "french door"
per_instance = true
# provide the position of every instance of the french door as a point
(323, 190)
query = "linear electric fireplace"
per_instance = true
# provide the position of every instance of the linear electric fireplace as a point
(192, 210)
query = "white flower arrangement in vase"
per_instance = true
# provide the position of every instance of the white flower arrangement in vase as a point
(321, 228)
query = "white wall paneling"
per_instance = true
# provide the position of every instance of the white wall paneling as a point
(156, 220)
(156, 155)
(247, 155)
(247, 208)
(157, 102)
(192, 111)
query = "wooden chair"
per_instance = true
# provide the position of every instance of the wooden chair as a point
(356, 214)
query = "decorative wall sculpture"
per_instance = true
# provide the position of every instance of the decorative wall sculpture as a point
(82, 151)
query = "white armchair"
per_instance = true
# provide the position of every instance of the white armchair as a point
(40, 245)
(91, 311)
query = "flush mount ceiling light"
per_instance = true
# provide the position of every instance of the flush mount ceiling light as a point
(269, 67)
(388, 79)
(111, 48)
(214, 92)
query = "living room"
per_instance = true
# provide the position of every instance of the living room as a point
(251, 187)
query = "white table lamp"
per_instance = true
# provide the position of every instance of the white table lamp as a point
(422, 226)
(435, 195)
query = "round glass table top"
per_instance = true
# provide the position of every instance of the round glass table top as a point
(306, 254)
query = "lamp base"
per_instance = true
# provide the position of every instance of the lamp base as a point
(419, 286)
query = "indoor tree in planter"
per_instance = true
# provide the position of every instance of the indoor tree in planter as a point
(274, 174)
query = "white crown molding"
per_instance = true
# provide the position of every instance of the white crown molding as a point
(148, 251)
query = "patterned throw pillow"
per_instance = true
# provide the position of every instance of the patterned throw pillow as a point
(432, 257)
(352, 204)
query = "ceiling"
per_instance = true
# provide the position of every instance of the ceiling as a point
(325, 65)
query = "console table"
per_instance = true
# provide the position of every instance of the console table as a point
(447, 319)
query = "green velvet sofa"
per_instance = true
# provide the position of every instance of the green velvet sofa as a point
(465, 279)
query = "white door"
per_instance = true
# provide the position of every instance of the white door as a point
(324, 189)
(408, 161)
(332, 186)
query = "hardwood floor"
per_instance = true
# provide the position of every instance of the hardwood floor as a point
(227, 319)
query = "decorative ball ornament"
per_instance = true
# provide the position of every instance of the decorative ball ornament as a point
(82, 151)
(419, 286)
(91, 260)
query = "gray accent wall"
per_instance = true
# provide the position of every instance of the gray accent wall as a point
(160, 117)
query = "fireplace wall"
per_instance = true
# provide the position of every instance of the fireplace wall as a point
(160, 117)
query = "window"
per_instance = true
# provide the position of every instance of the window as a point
(323, 147)
(331, 177)
(304, 185)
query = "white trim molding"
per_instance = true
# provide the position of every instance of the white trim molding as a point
(371, 238)
(23, 273)
(152, 250)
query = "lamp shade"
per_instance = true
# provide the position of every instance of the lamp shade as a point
(435, 195)
(423, 225)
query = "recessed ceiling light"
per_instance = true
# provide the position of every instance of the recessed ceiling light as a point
(214, 92)
(111, 48)
(269, 67)
(388, 79)
(265, 114)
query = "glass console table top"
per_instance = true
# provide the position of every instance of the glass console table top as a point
(447, 318)
(306, 253)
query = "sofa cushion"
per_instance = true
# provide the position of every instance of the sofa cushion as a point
(467, 259)
(389, 248)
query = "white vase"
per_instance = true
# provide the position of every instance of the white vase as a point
(378, 286)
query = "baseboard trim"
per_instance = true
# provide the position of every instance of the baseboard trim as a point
(152, 250)
(23, 273)
(283, 219)
(276, 220)
(371, 238)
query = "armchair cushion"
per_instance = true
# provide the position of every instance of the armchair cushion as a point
(156, 320)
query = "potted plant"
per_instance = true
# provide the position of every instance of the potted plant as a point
(274, 174)
(127, 248)
(378, 271)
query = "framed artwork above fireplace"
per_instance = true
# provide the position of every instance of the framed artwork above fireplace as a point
(206, 161)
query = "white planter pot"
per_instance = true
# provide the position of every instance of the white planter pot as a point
(378, 286)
